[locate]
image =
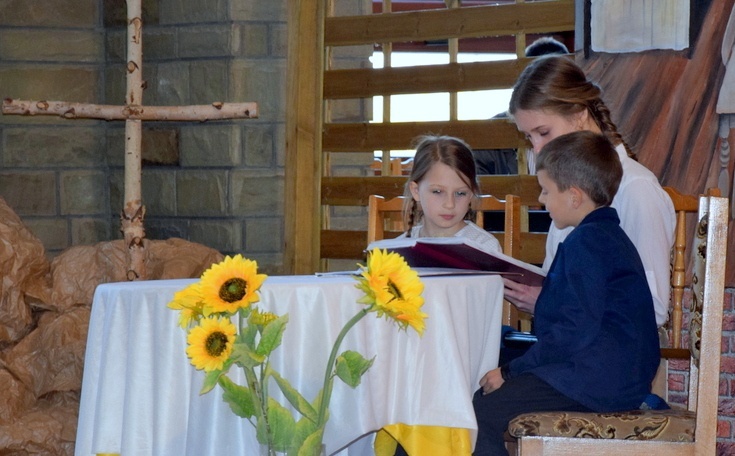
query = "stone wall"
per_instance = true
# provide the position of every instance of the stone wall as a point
(216, 183)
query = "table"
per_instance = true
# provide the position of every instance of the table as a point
(140, 395)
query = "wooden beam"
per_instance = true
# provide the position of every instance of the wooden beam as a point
(303, 135)
(369, 137)
(453, 77)
(354, 191)
(550, 16)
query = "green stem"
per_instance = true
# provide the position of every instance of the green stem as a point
(257, 388)
(328, 375)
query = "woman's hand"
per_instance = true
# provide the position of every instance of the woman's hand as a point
(491, 381)
(522, 296)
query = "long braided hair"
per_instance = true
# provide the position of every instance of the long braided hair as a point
(450, 151)
(555, 83)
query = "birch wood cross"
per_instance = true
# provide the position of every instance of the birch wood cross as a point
(134, 113)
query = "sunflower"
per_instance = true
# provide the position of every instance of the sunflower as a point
(261, 318)
(189, 301)
(210, 343)
(393, 289)
(231, 285)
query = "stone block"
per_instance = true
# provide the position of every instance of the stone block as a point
(57, 13)
(116, 45)
(160, 146)
(160, 44)
(353, 7)
(58, 82)
(262, 82)
(166, 228)
(171, 84)
(51, 45)
(254, 39)
(115, 85)
(89, 231)
(83, 192)
(205, 41)
(211, 145)
(221, 235)
(116, 13)
(52, 232)
(116, 189)
(259, 146)
(193, 11)
(280, 144)
(353, 110)
(158, 189)
(256, 195)
(53, 147)
(201, 193)
(29, 193)
(263, 235)
(209, 81)
(257, 10)
(278, 37)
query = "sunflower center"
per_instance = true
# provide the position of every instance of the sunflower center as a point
(216, 344)
(233, 290)
(393, 289)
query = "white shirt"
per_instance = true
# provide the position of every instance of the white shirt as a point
(647, 217)
(470, 231)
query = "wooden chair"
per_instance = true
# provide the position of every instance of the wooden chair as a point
(684, 206)
(670, 432)
(385, 220)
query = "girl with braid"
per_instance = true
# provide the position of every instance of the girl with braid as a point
(440, 191)
(552, 97)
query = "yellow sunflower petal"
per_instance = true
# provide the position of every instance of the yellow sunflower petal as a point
(231, 284)
(393, 289)
(210, 343)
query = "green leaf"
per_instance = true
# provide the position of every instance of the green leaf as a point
(304, 428)
(248, 334)
(281, 424)
(272, 335)
(211, 377)
(351, 366)
(244, 356)
(238, 397)
(295, 398)
(312, 444)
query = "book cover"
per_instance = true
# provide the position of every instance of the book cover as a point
(459, 253)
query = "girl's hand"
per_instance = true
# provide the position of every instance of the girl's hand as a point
(522, 296)
(491, 381)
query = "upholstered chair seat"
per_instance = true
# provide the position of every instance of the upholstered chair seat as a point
(673, 425)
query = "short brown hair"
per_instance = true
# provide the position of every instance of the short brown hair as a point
(585, 160)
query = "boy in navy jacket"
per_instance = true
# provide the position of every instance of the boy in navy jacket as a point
(597, 346)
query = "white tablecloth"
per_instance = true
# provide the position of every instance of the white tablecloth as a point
(140, 395)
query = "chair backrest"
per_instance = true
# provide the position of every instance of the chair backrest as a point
(683, 205)
(385, 220)
(705, 328)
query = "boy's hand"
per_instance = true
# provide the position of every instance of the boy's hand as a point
(522, 296)
(491, 381)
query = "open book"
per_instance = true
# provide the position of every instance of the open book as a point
(460, 253)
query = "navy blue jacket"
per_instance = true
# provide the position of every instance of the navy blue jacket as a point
(594, 319)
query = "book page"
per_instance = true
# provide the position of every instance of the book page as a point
(460, 253)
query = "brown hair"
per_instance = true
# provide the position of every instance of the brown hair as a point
(555, 83)
(585, 160)
(448, 150)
